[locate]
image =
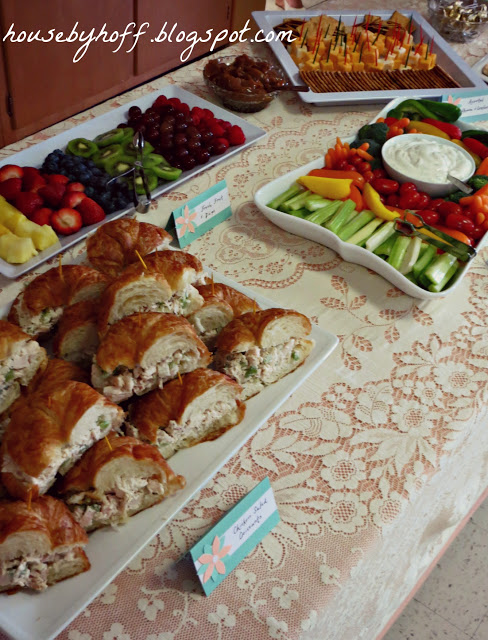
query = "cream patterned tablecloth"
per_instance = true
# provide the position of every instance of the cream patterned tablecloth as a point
(374, 461)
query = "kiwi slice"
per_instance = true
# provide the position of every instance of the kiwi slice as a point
(81, 147)
(131, 150)
(108, 153)
(116, 166)
(152, 182)
(166, 173)
(153, 159)
(109, 137)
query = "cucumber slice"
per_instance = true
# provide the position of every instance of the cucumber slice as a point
(398, 251)
(411, 256)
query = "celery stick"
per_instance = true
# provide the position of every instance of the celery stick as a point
(322, 215)
(437, 270)
(424, 260)
(411, 256)
(361, 236)
(440, 286)
(410, 276)
(297, 202)
(342, 216)
(398, 251)
(292, 191)
(316, 202)
(300, 213)
(379, 237)
(358, 222)
(385, 247)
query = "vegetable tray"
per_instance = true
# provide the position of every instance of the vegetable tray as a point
(34, 156)
(347, 251)
(447, 58)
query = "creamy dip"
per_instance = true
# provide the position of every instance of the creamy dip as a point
(428, 160)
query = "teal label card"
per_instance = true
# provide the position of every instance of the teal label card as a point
(474, 104)
(235, 536)
(200, 214)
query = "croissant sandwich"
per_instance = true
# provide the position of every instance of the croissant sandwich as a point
(164, 284)
(40, 544)
(259, 348)
(76, 336)
(20, 358)
(221, 305)
(114, 481)
(201, 407)
(50, 432)
(113, 246)
(143, 351)
(38, 308)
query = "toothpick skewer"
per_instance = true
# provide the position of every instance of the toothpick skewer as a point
(254, 306)
(213, 285)
(180, 378)
(108, 443)
(29, 498)
(140, 258)
(60, 267)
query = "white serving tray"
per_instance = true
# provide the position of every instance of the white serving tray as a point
(447, 58)
(35, 155)
(42, 616)
(478, 68)
(347, 251)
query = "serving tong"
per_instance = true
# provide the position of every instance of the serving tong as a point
(447, 243)
(137, 170)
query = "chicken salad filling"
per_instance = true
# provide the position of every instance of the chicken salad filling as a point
(18, 365)
(41, 323)
(31, 571)
(130, 495)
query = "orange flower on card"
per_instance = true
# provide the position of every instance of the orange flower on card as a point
(186, 222)
(213, 559)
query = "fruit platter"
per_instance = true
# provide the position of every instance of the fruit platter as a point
(382, 199)
(55, 193)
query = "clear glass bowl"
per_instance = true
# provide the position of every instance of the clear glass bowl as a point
(246, 101)
(446, 16)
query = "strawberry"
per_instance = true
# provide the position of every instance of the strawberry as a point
(30, 171)
(42, 216)
(236, 135)
(33, 182)
(72, 199)
(10, 171)
(10, 188)
(52, 194)
(66, 221)
(27, 202)
(217, 130)
(91, 212)
(57, 178)
(75, 186)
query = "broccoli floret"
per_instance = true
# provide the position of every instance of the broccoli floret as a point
(376, 131)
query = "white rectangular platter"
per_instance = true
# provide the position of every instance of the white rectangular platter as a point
(447, 58)
(35, 155)
(347, 251)
(41, 616)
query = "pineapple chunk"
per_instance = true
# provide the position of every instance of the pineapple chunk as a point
(4, 230)
(9, 215)
(43, 237)
(16, 250)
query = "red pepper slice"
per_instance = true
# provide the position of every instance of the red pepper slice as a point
(452, 131)
(477, 147)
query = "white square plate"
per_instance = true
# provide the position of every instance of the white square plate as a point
(36, 616)
(34, 157)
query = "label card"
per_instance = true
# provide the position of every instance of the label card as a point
(235, 536)
(474, 104)
(199, 215)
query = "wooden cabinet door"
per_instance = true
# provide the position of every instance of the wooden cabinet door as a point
(44, 84)
(153, 58)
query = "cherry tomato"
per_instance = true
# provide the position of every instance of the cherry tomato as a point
(430, 217)
(393, 200)
(341, 166)
(368, 176)
(363, 167)
(477, 233)
(424, 200)
(389, 121)
(384, 186)
(356, 160)
(448, 208)
(434, 204)
(408, 187)
(456, 221)
(349, 167)
(467, 226)
(380, 173)
(409, 200)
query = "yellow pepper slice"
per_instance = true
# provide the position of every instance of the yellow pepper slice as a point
(331, 188)
(429, 129)
(476, 158)
(374, 204)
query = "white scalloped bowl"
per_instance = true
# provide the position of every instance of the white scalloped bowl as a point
(347, 251)
(434, 189)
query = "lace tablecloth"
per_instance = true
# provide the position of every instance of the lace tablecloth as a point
(374, 461)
